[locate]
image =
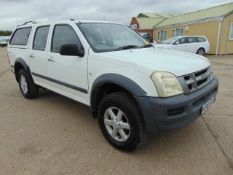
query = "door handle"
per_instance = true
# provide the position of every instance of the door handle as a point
(51, 59)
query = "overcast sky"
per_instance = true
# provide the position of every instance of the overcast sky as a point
(13, 12)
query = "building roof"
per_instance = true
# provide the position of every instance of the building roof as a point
(209, 13)
(148, 23)
(149, 20)
(154, 15)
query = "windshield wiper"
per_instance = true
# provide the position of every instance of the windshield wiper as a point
(126, 47)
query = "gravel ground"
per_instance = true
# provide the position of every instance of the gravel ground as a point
(54, 135)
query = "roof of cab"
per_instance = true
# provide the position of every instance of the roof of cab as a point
(36, 23)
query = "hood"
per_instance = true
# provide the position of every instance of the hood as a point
(154, 59)
(165, 46)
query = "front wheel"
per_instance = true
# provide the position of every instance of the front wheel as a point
(201, 51)
(121, 122)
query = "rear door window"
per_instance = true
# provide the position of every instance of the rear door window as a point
(182, 40)
(40, 38)
(20, 37)
(192, 39)
(200, 39)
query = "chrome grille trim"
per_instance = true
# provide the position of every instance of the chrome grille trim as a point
(194, 81)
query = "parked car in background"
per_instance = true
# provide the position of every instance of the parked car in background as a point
(4, 41)
(147, 36)
(194, 44)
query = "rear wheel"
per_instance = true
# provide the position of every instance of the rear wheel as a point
(27, 86)
(121, 122)
(201, 51)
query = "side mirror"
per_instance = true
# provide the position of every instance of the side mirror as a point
(176, 43)
(72, 50)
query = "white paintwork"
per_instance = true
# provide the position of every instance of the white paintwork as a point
(37, 59)
(187, 47)
(135, 64)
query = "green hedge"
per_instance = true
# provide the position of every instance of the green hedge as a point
(5, 33)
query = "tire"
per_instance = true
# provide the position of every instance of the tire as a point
(130, 114)
(27, 87)
(201, 51)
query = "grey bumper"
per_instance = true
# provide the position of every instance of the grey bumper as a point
(177, 111)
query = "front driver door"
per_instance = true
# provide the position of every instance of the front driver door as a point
(180, 44)
(67, 74)
(194, 45)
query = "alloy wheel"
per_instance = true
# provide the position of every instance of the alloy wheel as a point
(117, 124)
(23, 84)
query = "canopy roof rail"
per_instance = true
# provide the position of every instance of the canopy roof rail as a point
(27, 22)
(74, 20)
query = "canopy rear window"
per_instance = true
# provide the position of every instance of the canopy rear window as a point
(20, 37)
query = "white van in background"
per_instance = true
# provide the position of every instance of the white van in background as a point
(4, 41)
(194, 44)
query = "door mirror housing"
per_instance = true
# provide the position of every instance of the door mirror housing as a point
(72, 50)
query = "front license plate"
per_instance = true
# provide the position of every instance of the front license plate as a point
(207, 105)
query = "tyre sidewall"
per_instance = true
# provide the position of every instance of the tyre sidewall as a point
(30, 85)
(203, 51)
(22, 72)
(130, 112)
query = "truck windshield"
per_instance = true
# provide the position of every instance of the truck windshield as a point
(104, 37)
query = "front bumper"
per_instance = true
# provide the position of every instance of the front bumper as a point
(177, 111)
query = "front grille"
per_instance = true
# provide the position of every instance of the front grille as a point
(197, 80)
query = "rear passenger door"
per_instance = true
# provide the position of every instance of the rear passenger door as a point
(38, 55)
(193, 44)
(67, 74)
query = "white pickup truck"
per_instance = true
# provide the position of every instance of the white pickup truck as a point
(131, 87)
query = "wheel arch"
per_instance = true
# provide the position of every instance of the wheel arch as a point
(21, 64)
(109, 83)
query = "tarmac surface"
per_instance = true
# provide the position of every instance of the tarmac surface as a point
(57, 136)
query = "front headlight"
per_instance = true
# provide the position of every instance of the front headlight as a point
(166, 84)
